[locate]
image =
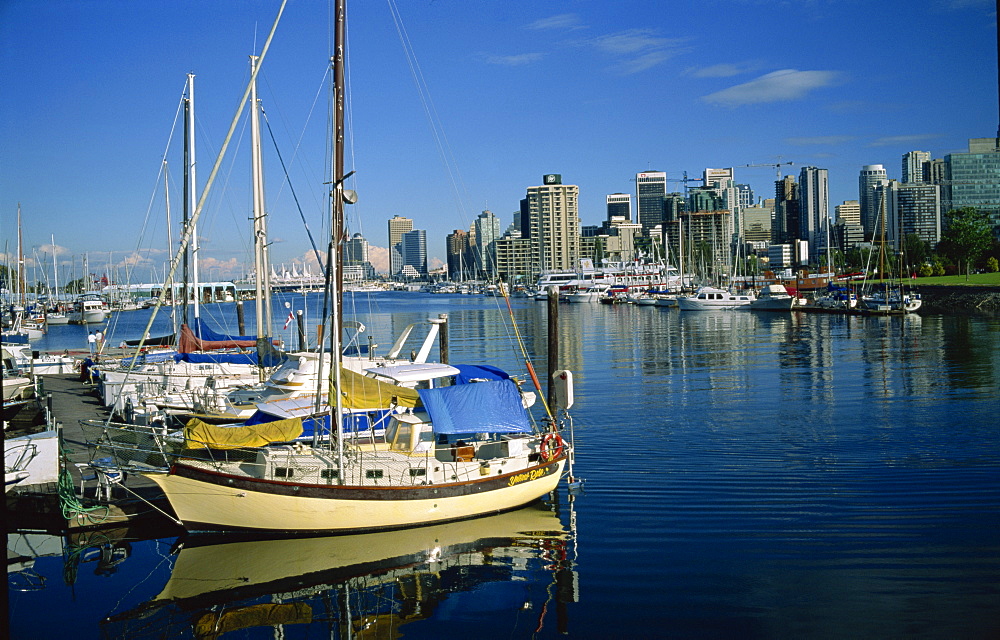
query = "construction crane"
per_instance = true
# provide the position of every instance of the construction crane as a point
(684, 181)
(777, 167)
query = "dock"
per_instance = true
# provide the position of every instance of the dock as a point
(134, 502)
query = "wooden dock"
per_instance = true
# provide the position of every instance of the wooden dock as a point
(134, 502)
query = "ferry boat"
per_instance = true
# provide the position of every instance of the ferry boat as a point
(630, 275)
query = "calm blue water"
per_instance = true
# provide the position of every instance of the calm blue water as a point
(747, 476)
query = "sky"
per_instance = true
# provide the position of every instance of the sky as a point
(454, 107)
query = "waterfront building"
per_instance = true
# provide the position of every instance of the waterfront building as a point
(707, 236)
(848, 232)
(786, 211)
(398, 225)
(457, 248)
(757, 224)
(973, 180)
(814, 209)
(487, 232)
(553, 222)
(413, 251)
(871, 175)
(913, 209)
(779, 256)
(915, 167)
(356, 258)
(650, 188)
(620, 244)
(516, 259)
(619, 205)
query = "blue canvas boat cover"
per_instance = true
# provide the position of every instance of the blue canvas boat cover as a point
(204, 331)
(221, 358)
(470, 372)
(481, 407)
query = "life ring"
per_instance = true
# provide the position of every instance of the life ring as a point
(552, 447)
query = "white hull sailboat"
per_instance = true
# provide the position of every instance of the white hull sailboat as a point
(465, 450)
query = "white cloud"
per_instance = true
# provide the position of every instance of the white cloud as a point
(778, 86)
(637, 49)
(890, 141)
(563, 21)
(516, 60)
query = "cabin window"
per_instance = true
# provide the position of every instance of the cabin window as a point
(418, 473)
(283, 472)
(329, 474)
(374, 474)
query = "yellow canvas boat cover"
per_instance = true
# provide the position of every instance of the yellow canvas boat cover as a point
(201, 435)
(362, 392)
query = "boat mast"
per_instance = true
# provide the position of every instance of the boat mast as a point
(263, 280)
(336, 399)
(192, 191)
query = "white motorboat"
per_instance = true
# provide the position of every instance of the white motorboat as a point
(593, 293)
(774, 297)
(88, 309)
(714, 299)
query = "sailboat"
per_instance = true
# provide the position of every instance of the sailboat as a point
(455, 451)
(888, 298)
(170, 381)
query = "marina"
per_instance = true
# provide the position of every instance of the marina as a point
(746, 474)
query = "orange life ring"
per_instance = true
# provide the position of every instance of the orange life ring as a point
(552, 447)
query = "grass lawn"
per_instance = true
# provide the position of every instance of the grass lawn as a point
(974, 280)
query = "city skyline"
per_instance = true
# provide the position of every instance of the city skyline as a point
(91, 93)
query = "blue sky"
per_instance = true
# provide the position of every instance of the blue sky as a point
(510, 90)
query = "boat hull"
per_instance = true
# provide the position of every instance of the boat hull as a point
(208, 500)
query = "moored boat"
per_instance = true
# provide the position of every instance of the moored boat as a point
(714, 299)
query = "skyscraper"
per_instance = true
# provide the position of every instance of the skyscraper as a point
(786, 211)
(413, 247)
(915, 209)
(814, 208)
(871, 175)
(398, 225)
(553, 223)
(487, 228)
(973, 180)
(619, 206)
(913, 166)
(650, 187)
(457, 246)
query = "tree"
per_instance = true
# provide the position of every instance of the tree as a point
(992, 265)
(915, 250)
(967, 236)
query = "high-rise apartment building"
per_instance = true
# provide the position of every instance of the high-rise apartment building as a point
(650, 187)
(814, 209)
(912, 209)
(487, 227)
(847, 232)
(871, 175)
(973, 180)
(914, 166)
(398, 225)
(554, 223)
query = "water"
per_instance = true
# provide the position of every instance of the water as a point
(748, 475)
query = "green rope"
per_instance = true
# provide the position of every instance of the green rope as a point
(68, 502)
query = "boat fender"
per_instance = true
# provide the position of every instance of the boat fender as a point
(552, 447)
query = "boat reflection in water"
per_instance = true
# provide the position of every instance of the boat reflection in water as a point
(516, 565)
